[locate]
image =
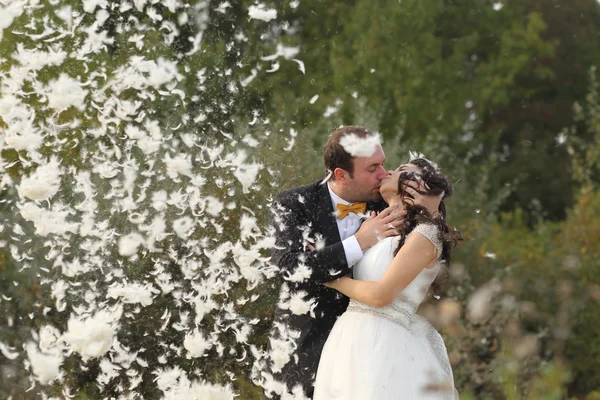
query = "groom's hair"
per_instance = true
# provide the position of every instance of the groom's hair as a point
(334, 154)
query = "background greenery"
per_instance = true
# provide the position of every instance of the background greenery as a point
(503, 95)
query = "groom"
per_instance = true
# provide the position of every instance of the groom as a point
(320, 236)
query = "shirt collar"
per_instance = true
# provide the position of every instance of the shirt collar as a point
(335, 199)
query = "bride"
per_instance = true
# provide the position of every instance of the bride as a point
(380, 348)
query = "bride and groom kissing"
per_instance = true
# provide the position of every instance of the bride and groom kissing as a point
(362, 248)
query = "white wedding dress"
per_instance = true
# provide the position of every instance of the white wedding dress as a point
(389, 352)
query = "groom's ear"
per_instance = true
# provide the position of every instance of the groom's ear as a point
(341, 175)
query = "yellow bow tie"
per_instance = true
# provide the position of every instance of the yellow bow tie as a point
(343, 210)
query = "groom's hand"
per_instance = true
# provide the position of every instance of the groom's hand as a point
(378, 227)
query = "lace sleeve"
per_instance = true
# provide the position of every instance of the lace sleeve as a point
(430, 232)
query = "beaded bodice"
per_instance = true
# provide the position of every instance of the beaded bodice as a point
(399, 312)
(375, 263)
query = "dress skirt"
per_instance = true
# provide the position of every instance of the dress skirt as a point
(370, 356)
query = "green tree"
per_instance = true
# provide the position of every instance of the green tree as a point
(486, 82)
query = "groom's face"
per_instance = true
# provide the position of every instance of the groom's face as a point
(367, 176)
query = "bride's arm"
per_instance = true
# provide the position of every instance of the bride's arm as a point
(417, 253)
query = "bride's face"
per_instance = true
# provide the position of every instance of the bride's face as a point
(389, 184)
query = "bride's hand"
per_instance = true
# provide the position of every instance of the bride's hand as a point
(430, 202)
(336, 283)
(333, 284)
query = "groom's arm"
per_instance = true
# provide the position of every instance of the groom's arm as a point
(297, 263)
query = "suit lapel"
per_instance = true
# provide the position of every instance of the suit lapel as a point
(324, 214)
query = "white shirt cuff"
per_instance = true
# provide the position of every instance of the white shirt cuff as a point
(352, 249)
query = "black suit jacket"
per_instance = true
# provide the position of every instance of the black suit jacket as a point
(306, 214)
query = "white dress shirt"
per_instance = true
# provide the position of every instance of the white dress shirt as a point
(347, 228)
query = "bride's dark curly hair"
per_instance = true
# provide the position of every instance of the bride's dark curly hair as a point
(437, 184)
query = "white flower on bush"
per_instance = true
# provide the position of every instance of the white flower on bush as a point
(183, 226)
(203, 390)
(43, 183)
(65, 92)
(45, 367)
(149, 145)
(479, 304)
(159, 200)
(246, 174)
(135, 132)
(298, 305)
(133, 293)
(163, 280)
(260, 12)
(248, 227)
(8, 352)
(213, 206)
(21, 132)
(129, 244)
(106, 169)
(175, 385)
(181, 164)
(47, 221)
(49, 337)
(280, 354)
(196, 344)
(91, 337)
